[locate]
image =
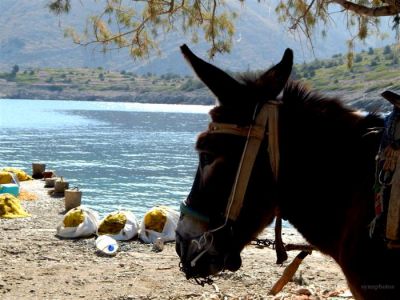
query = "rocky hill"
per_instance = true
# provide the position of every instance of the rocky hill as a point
(373, 71)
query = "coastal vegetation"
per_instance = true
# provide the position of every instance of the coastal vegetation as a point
(373, 71)
(101, 85)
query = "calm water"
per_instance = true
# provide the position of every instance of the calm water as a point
(130, 156)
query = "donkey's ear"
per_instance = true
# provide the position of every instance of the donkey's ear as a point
(220, 83)
(275, 78)
(392, 98)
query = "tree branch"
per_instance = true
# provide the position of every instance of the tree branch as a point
(381, 11)
(302, 17)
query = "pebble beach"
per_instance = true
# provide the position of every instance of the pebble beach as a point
(36, 264)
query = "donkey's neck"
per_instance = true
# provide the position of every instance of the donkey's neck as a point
(327, 172)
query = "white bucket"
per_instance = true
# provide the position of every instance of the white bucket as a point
(106, 245)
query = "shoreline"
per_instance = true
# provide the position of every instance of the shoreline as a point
(37, 264)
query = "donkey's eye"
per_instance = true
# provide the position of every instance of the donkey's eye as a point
(206, 158)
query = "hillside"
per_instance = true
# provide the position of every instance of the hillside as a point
(100, 85)
(33, 38)
(373, 71)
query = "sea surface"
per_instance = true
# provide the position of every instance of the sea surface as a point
(120, 155)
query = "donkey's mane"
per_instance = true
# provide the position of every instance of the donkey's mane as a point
(299, 100)
(296, 93)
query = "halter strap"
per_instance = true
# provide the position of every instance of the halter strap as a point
(268, 113)
(186, 210)
(254, 131)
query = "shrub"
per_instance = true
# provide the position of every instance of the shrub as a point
(370, 51)
(191, 85)
(387, 50)
(373, 63)
(55, 88)
(358, 58)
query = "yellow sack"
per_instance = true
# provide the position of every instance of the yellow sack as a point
(112, 224)
(5, 177)
(156, 218)
(78, 222)
(10, 207)
(121, 225)
(73, 218)
(159, 222)
(22, 176)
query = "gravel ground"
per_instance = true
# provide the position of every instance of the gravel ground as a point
(35, 264)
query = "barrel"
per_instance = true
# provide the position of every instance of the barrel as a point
(37, 170)
(72, 198)
(60, 186)
(48, 174)
(50, 182)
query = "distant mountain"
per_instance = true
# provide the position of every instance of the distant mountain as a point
(32, 37)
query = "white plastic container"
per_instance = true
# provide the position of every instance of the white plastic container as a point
(106, 245)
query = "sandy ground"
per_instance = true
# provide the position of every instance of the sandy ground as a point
(35, 264)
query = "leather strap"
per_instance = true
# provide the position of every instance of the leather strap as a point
(273, 139)
(267, 113)
(257, 132)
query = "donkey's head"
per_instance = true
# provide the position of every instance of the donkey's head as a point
(213, 228)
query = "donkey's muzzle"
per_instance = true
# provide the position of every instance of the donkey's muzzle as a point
(196, 260)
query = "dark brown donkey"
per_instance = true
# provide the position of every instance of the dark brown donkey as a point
(314, 164)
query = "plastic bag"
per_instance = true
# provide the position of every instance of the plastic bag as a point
(78, 222)
(159, 222)
(120, 225)
(22, 176)
(5, 177)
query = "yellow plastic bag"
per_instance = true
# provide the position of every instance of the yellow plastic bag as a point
(22, 176)
(156, 218)
(5, 177)
(74, 217)
(10, 207)
(121, 225)
(78, 222)
(159, 222)
(112, 224)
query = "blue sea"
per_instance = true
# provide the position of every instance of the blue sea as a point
(121, 155)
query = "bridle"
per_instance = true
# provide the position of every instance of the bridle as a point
(264, 117)
(255, 133)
